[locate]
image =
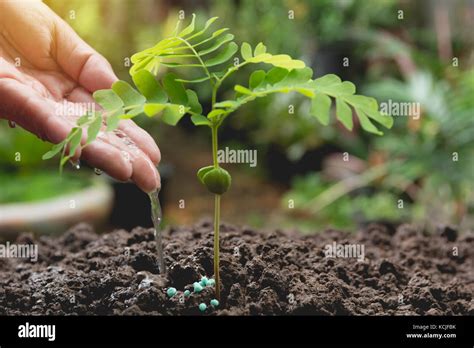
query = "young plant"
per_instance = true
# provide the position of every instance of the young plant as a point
(210, 55)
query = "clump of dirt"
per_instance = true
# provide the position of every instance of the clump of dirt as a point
(403, 272)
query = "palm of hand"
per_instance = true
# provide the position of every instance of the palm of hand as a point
(37, 88)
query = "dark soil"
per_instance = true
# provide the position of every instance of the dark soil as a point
(404, 272)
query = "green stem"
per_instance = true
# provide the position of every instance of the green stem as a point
(217, 214)
(219, 81)
(214, 146)
(217, 208)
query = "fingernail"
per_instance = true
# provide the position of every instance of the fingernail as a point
(158, 179)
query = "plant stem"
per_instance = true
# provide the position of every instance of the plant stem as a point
(214, 146)
(217, 215)
(217, 208)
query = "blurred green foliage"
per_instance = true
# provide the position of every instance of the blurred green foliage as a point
(23, 175)
(19, 149)
(39, 185)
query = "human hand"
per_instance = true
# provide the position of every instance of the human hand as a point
(44, 65)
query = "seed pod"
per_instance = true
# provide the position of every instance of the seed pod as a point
(217, 180)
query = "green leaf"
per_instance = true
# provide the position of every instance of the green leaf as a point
(175, 89)
(384, 120)
(297, 76)
(365, 122)
(54, 150)
(83, 119)
(338, 88)
(242, 90)
(256, 78)
(320, 107)
(276, 75)
(246, 51)
(128, 95)
(327, 80)
(206, 26)
(193, 102)
(113, 121)
(108, 99)
(219, 32)
(285, 61)
(223, 56)
(134, 112)
(200, 120)
(279, 60)
(214, 113)
(172, 114)
(370, 108)
(189, 29)
(307, 92)
(344, 113)
(217, 44)
(149, 87)
(227, 104)
(260, 49)
(94, 128)
(153, 109)
(75, 141)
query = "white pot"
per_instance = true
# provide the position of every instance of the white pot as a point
(92, 204)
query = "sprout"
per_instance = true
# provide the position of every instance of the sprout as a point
(212, 53)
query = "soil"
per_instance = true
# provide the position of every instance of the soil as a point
(405, 272)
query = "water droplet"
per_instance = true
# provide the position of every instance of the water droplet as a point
(97, 171)
(11, 124)
(125, 155)
(145, 283)
(76, 164)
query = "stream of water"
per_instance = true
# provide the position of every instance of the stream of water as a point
(156, 218)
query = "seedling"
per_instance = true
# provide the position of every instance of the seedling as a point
(212, 56)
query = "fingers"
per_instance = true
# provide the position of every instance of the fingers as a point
(109, 159)
(31, 111)
(144, 172)
(142, 139)
(80, 61)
